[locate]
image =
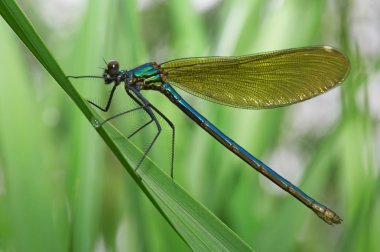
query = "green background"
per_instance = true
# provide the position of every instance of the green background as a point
(62, 189)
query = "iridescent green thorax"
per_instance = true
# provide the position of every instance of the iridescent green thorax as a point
(145, 71)
(146, 75)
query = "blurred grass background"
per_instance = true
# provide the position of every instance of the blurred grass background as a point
(61, 189)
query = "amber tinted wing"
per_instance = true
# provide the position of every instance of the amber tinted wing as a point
(262, 80)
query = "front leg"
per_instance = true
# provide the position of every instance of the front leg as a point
(105, 109)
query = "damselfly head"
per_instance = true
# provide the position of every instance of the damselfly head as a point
(111, 73)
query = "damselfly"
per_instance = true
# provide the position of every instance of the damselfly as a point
(265, 80)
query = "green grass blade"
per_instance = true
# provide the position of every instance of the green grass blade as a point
(199, 228)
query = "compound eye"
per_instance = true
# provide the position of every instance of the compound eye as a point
(113, 68)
